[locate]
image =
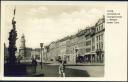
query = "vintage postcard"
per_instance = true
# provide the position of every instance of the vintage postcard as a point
(63, 40)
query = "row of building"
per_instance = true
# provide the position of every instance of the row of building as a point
(85, 46)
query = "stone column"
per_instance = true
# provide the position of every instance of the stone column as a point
(97, 58)
(100, 58)
(91, 58)
(86, 58)
(103, 57)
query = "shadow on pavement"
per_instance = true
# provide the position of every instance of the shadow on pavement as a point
(76, 73)
(52, 71)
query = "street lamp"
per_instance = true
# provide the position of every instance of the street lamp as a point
(41, 45)
(76, 54)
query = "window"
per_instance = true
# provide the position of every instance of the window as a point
(93, 48)
(88, 43)
(97, 46)
(102, 45)
(93, 39)
(102, 37)
(99, 37)
(87, 37)
(97, 28)
(101, 26)
(88, 50)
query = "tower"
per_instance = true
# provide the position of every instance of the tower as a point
(22, 50)
(23, 42)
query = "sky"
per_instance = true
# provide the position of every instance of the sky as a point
(47, 23)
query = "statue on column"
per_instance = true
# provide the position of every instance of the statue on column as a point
(12, 42)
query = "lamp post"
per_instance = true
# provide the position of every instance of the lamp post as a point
(41, 45)
(76, 54)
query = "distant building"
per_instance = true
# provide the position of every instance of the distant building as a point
(73, 45)
(63, 49)
(45, 53)
(22, 47)
(81, 43)
(24, 52)
(52, 52)
(36, 54)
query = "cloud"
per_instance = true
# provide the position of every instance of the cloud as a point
(37, 10)
(50, 29)
(47, 29)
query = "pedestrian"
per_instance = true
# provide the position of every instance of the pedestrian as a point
(62, 69)
(41, 65)
(34, 62)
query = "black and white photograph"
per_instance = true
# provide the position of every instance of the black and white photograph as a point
(54, 41)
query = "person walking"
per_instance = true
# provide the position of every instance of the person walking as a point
(34, 62)
(62, 69)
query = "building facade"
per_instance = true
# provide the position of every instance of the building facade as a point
(85, 46)
(100, 28)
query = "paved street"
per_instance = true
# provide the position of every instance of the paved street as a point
(93, 71)
(52, 71)
(71, 71)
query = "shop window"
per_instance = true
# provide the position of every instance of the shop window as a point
(88, 50)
